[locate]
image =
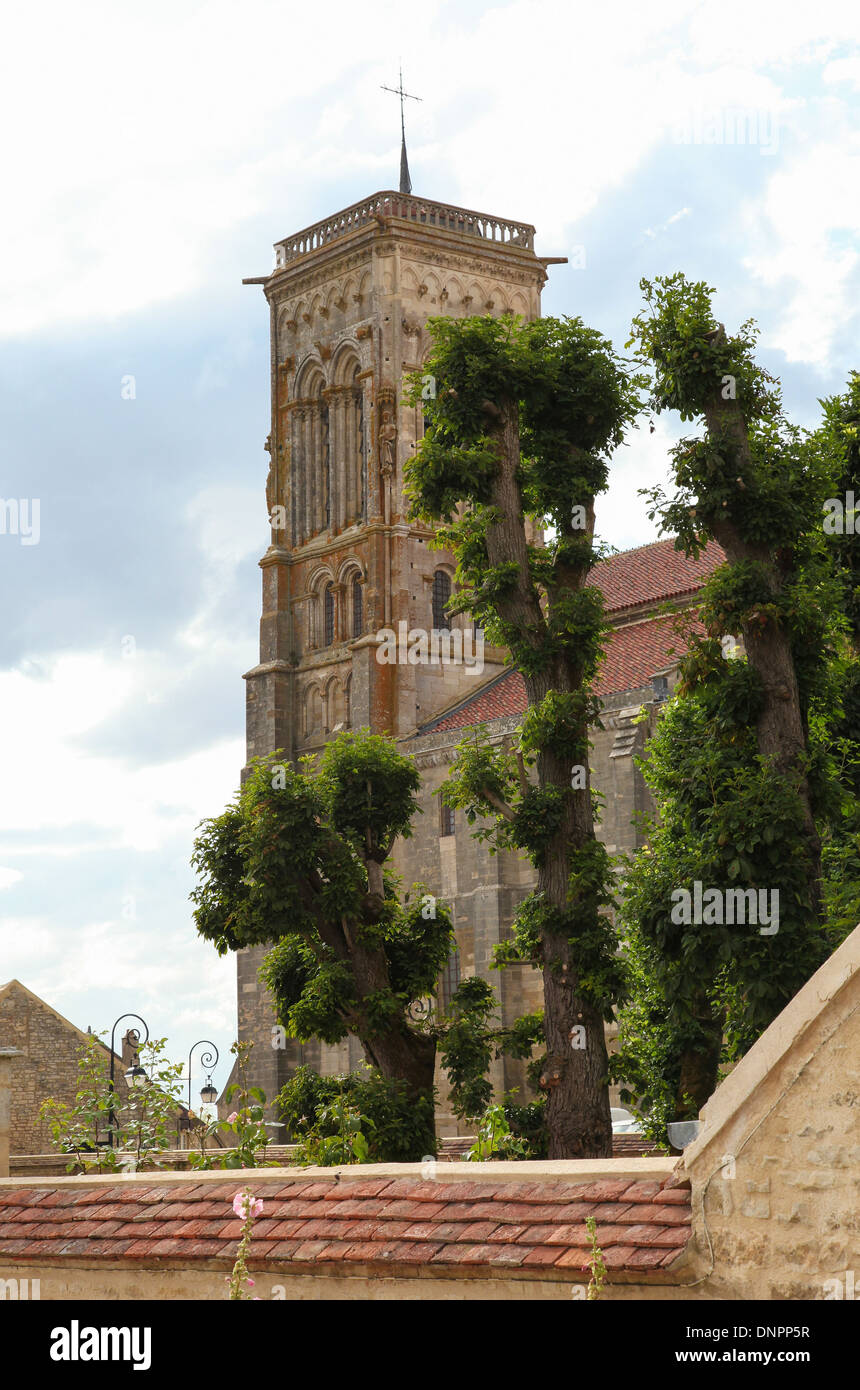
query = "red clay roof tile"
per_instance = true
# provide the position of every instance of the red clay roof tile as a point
(535, 1225)
(634, 582)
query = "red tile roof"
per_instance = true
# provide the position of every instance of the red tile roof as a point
(634, 579)
(531, 1225)
(653, 573)
(633, 655)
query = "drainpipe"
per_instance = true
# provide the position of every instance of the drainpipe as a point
(6, 1055)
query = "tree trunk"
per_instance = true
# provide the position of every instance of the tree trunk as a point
(574, 1077)
(404, 1055)
(400, 1053)
(575, 1074)
(781, 729)
(700, 1063)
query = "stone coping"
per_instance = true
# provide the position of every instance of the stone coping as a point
(581, 1170)
(748, 1091)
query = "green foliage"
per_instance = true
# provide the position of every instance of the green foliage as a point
(729, 817)
(573, 400)
(465, 1047)
(601, 976)
(143, 1122)
(369, 791)
(299, 863)
(245, 1122)
(559, 722)
(677, 336)
(572, 392)
(839, 438)
(147, 1120)
(81, 1129)
(495, 1138)
(396, 1128)
(338, 1136)
(596, 1264)
(528, 1122)
(728, 820)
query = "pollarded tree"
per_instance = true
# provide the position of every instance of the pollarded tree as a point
(299, 862)
(754, 483)
(750, 767)
(840, 433)
(520, 428)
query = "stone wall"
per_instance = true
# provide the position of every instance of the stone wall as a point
(776, 1170)
(48, 1066)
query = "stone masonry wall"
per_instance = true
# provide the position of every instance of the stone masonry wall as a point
(47, 1068)
(776, 1171)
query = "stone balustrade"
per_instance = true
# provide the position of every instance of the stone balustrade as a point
(401, 205)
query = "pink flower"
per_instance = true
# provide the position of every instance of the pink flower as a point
(231, 1119)
(251, 1283)
(245, 1204)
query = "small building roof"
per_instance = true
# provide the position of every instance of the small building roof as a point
(640, 645)
(491, 1223)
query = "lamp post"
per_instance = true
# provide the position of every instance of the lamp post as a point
(208, 1094)
(136, 1076)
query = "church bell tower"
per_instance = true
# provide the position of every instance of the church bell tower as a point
(349, 300)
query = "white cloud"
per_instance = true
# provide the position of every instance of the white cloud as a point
(622, 515)
(843, 70)
(61, 783)
(153, 134)
(804, 235)
(654, 232)
(54, 707)
(8, 877)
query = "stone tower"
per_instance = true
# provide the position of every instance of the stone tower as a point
(349, 299)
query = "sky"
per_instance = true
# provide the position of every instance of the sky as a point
(154, 154)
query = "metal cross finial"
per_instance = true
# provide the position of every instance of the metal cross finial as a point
(405, 180)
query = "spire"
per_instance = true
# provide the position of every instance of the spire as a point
(405, 180)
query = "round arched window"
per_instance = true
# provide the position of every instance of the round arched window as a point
(328, 615)
(357, 607)
(441, 595)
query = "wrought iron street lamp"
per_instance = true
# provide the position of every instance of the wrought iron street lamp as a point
(135, 1076)
(208, 1060)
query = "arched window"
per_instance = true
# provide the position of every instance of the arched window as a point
(334, 706)
(357, 607)
(449, 981)
(441, 595)
(448, 824)
(328, 615)
(347, 701)
(313, 710)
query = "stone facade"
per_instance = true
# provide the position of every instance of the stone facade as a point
(349, 302)
(47, 1064)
